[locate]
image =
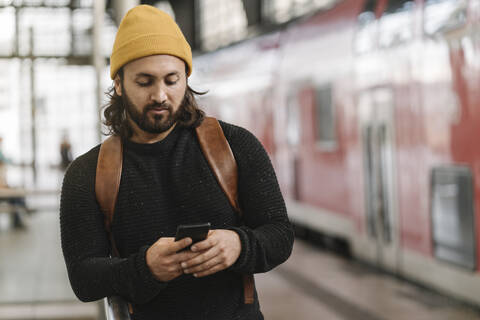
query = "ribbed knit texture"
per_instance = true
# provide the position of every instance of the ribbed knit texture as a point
(145, 31)
(163, 185)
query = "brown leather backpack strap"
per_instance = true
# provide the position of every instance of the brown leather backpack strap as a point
(107, 179)
(248, 288)
(220, 158)
(107, 184)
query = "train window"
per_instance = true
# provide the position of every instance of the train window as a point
(293, 119)
(442, 16)
(452, 213)
(325, 118)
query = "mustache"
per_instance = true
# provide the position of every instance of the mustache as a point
(158, 106)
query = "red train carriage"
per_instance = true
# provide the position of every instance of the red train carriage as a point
(370, 111)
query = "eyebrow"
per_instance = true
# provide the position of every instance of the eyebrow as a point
(148, 75)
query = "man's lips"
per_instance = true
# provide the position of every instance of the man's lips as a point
(158, 110)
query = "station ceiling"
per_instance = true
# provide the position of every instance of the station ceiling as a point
(187, 16)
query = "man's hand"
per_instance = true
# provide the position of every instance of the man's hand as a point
(219, 251)
(164, 261)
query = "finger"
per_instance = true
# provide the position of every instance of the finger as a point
(201, 258)
(163, 241)
(214, 269)
(176, 268)
(205, 244)
(203, 266)
(166, 239)
(185, 256)
(179, 245)
(169, 264)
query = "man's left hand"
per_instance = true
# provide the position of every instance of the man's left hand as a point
(219, 251)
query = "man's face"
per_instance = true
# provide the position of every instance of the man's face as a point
(152, 91)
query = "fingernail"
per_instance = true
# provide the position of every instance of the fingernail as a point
(184, 265)
(194, 248)
(195, 275)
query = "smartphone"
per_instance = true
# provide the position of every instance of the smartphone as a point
(197, 232)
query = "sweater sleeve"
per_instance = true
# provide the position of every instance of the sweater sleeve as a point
(92, 272)
(267, 235)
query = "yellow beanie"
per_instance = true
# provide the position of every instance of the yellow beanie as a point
(146, 31)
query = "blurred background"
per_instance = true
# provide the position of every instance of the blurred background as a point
(369, 110)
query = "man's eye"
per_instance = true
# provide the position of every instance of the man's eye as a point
(171, 82)
(144, 84)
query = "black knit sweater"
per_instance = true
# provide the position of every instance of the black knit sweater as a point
(163, 185)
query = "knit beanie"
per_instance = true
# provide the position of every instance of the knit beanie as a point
(146, 31)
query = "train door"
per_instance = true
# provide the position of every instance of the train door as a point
(376, 107)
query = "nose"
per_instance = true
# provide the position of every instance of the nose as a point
(158, 94)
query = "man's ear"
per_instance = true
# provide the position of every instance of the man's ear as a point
(118, 85)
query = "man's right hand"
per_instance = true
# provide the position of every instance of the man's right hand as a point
(163, 258)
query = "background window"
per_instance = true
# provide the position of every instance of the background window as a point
(221, 23)
(453, 215)
(325, 117)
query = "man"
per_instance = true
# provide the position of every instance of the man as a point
(165, 182)
(65, 152)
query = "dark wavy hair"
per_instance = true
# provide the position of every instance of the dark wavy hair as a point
(116, 116)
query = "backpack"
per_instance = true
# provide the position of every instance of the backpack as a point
(215, 149)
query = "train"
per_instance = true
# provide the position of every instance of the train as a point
(370, 112)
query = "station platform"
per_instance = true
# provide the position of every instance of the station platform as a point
(312, 284)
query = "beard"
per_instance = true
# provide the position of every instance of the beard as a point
(157, 123)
